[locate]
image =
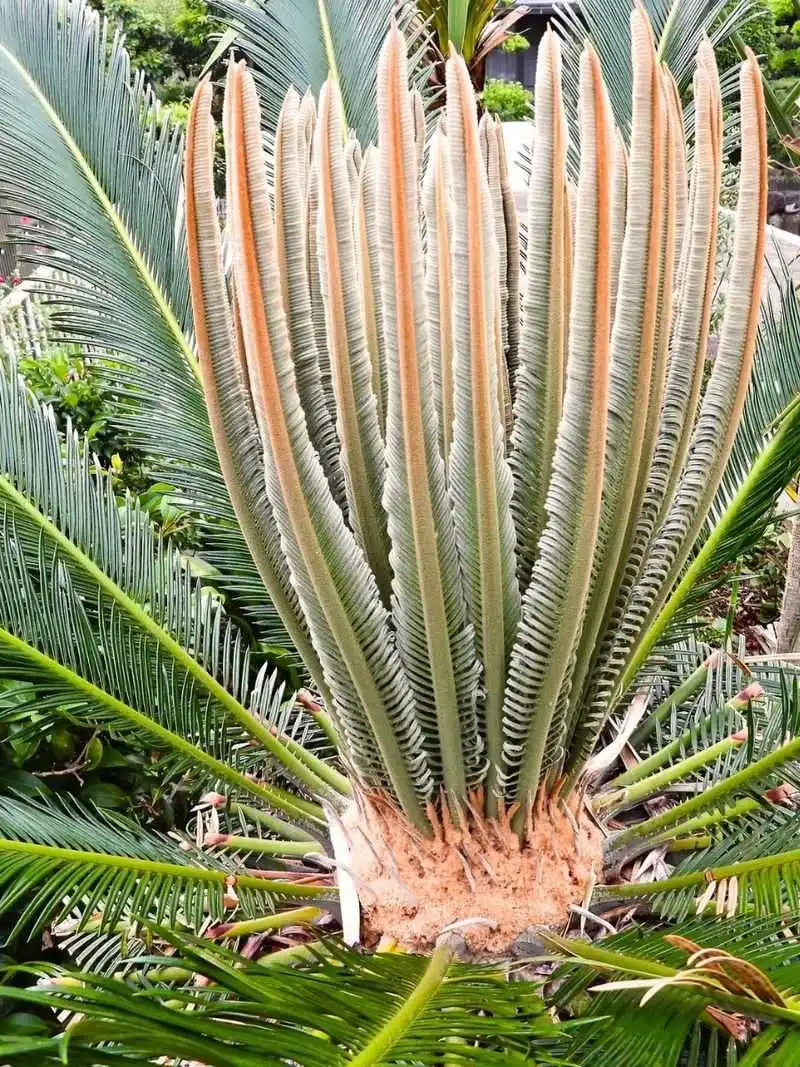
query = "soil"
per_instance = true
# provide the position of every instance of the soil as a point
(476, 879)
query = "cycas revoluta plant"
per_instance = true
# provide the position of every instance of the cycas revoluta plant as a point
(480, 550)
(415, 469)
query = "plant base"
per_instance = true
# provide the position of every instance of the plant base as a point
(476, 879)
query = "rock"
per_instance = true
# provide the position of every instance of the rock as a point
(457, 945)
(529, 943)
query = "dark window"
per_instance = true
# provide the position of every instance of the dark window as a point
(519, 66)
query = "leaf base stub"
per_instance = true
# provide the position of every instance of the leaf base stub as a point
(476, 879)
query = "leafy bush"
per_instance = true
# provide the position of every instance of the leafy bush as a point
(784, 56)
(782, 10)
(516, 42)
(758, 33)
(167, 40)
(508, 101)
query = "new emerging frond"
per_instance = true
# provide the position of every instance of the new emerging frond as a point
(523, 486)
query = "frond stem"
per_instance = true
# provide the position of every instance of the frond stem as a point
(743, 779)
(704, 877)
(655, 783)
(158, 867)
(409, 1011)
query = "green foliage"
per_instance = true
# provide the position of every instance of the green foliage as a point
(509, 101)
(516, 42)
(679, 29)
(168, 41)
(108, 635)
(297, 42)
(784, 57)
(387, 1009)
(756, 977)
(77, 391)
(140, 309)
(783, 11)
(758, 33)
(76, 387)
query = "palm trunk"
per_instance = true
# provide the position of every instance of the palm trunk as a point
(474, 878)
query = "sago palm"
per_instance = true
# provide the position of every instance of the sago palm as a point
(480, 548)
(475, 525)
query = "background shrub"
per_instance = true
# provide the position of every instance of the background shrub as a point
(509, 101)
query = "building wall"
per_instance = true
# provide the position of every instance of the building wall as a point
(519, 66)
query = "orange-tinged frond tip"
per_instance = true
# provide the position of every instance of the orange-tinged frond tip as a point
(553, 44)
(550, 55)
(392, 63)
(591, 61)
(291, 102)
(202, 94)
(199, 123)
(457, 77)
(641, 27)
(395, 41)
(706, 55)
(751, 82)
(751, 64)
(308, 107)
(642, 39)
(548, 41)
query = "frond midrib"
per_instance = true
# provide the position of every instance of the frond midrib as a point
(160, 867)
(412, 1007)
(707, 875)
(269, 794)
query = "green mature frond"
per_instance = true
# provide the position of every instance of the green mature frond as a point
(739, 527)
(679, 27)
(80, 576)
(622, 1031)
(773, 387)
(754, 870)
(91, 156)
(388, 1009)
(775, 756)
(716, 736)
(57, 858)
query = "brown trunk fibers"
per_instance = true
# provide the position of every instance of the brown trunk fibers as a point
(475, 878)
